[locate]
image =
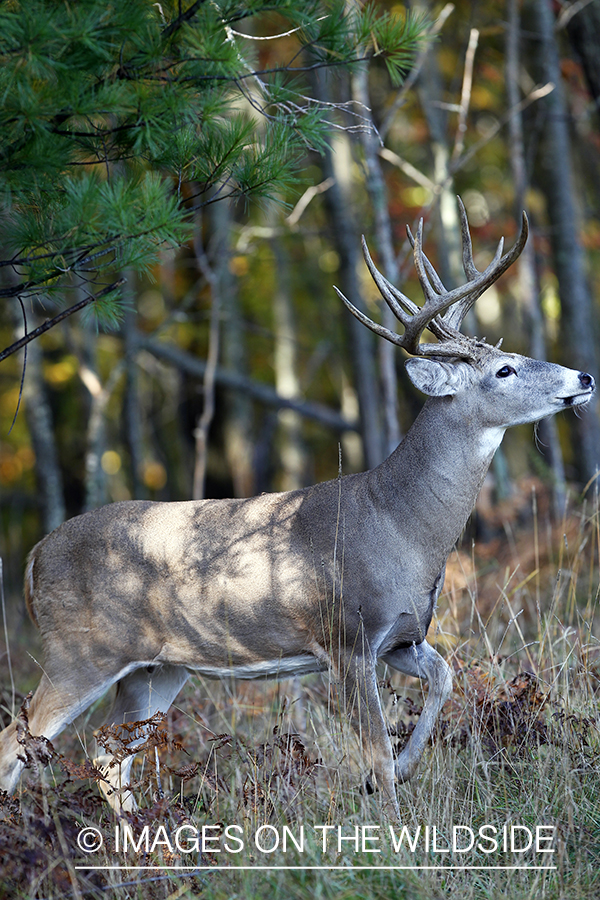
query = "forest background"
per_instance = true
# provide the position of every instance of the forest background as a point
(180, 188)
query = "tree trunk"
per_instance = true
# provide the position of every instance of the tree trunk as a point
(336, 164)
(583, 30)
(528, 283)
(239, 415)
(292, 453)
(208, 268)
(556, 177)
(430, 89)
(346, 240)
(377, 192)
(36, 407)
(96, 481)
(41, 429)
(131, 399)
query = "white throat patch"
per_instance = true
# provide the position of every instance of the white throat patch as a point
(491, 438)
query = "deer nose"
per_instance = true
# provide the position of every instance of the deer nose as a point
(586, 380)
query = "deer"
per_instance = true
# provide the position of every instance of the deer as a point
(329, 578)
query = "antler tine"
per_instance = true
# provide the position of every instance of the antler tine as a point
(414, 318)
(438, 299)
(394, 298)
(432, 274)
(432, 292)
(467, 246)
(408, 313)
(380, 330)
(478, 282)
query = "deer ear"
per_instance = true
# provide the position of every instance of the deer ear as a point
(436, 378)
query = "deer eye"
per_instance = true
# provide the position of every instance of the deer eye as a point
(505, 371)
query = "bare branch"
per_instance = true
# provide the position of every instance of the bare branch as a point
(270, 37)
(263, 393)
(24, 369)
(537, 93)
(408, 169)
(465, 97)
(567, 13)
(306, 198)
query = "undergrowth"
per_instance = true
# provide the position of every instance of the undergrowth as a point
(244, 775)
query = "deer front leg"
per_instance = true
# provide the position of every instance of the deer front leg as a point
(422, 661)
(357, 674)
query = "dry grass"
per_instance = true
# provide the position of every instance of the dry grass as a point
(518, 744)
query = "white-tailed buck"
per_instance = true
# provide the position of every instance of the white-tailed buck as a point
(331, 577)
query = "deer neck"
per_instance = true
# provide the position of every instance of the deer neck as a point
(432, 479)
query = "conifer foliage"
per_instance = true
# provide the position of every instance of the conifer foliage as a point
(119, 120)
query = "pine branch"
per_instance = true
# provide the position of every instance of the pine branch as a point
(50, 323)
(154, 102)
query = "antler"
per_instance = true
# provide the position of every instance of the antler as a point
(443, 311)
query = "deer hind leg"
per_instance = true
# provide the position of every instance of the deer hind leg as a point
(422, 661)
(363, 704)
(57, 701)
(140, 695)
